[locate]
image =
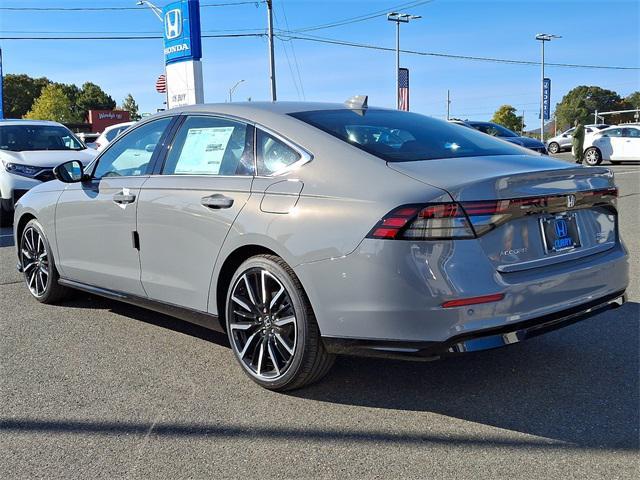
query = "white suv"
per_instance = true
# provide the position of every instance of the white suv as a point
(110, 133)
(29, 149)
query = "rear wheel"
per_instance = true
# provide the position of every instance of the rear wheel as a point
(592, 156)
(272, 328)
(553, 147)
(38, 266)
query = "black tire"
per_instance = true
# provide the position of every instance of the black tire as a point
(6, 212)
(615, 162)
(295, 366)
(553, 147)
(33, 266)
(592, 156)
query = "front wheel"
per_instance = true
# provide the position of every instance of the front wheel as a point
(38, 266)
(553, 147)
(271, 326)
(592, 157)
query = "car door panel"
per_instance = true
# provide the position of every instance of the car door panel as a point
(185, 213)
(94, 234)
(96, 220)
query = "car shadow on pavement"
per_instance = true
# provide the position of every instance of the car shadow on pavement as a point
(578, 385)
(85, 300)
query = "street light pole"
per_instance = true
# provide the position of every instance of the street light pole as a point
(272, 65)
(233, 89)
(155, 9)
(543, 37)
(399, 18)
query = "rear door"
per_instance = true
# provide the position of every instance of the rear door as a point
(186, 210)
(96, 220)
(631, 145)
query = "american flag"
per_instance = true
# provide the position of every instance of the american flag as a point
(161, 84)
(403, 89)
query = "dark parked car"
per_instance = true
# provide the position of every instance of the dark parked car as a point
(504, 133)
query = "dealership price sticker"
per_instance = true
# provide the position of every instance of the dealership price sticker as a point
(203, 150)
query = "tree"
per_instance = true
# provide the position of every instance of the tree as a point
(92, 97)
(130, 105)
(52, 104)
(633, 99)
(20, 91)
(581, 102)
(506, 116)
(72, 91)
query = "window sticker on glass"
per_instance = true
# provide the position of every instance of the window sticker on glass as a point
(203, 150)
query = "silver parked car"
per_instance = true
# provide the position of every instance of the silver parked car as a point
(563, 141)
(305, 230)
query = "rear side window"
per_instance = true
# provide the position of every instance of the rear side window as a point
(211, 146)
(397, 136)
(273, 154)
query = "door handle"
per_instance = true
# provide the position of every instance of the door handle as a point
(217, 201)
(124, 198)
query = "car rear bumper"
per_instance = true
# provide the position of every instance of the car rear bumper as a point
(476, 341)
(395, 290)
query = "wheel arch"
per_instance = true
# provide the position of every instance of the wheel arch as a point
(22, 223)
(228, 268)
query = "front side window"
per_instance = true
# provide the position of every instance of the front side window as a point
(273, 154)
(26, 138)
(211, 146)
(397, 136)
(130, 155)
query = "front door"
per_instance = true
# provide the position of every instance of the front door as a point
(96, 219)
(631, 145)
(185, 213)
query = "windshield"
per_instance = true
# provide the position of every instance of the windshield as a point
(23, 138)
(493, 129)
(403, 136)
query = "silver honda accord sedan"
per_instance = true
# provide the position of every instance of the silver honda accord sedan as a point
(306, 230)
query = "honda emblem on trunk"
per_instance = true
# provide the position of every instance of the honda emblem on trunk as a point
(571, 201)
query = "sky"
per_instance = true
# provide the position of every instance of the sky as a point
(594, 32)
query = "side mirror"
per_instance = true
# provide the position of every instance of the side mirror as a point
(69, 172)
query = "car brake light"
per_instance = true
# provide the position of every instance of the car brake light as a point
(424, 222)
(462, 302)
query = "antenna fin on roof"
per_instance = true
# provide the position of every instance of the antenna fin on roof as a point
(358, 102)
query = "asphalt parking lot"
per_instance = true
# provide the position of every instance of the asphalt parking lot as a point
(98, 389)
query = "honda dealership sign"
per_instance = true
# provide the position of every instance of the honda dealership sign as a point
(182, 53)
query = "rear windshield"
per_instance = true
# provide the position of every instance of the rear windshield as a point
(23, 138)
(397, 136)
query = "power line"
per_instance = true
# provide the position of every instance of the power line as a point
(293, 51)
(284, 35)
(316, 39)
(103, 9)
(361, 18)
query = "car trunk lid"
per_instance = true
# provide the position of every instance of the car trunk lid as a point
(528, 212)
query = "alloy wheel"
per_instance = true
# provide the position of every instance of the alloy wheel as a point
(592, 157)
(553, 147)
(35, 261)
(262, 324)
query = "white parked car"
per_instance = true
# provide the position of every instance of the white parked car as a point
(29, 149)
(615, 144)
(109, 134)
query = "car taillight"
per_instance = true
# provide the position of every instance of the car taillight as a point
(437, 221)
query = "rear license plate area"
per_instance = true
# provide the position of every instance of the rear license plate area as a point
(560, 232)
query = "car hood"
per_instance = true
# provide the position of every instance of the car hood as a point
(504, 176)
(524, 141)
(48, 158)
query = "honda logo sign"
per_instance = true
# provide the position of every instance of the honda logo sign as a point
(173, 23)
(182, 31)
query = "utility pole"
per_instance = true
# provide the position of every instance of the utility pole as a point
(543, 37)
(522, 124)
(272, 65)
(448, 103)
(399, 18)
